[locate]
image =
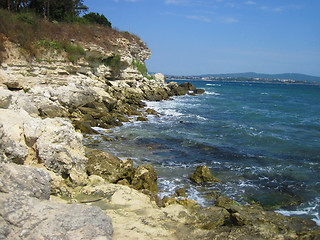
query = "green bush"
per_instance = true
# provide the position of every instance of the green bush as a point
(141, 68)
(74, 52)
(26, 18)
(50, 45)
(97, 19)
(115, 63)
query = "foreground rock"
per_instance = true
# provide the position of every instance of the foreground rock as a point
(114, 170)
(26, 212)
(136, 216)
(109, 167)
(53, 143)
(30, 218)
(24, 181)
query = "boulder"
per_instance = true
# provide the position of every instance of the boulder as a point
(60, 149)
(145, 177)
(108, 166)
(225, 202)
(211, 217)
(23, 217)
(13, 147)
(181, 192)
(142, 119)
(202, 175)
(51, 142)
(5, 98)
(23, 180)
(198, 91)
(188, 86)
(74, 96)
(160, 78)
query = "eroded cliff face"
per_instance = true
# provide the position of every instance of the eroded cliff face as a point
(52, 62)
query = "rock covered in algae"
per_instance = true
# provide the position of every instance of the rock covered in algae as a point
(145, 177)
(203, 175)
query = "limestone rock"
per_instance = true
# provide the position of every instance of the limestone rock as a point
(5, 98)
(160, 78)
(145, 177)
(73, 95)
(60, 149)
(108, 166)
(27, 181)
(12, 140)
(202, 175)
(225, 202)
(29, 218)
(211, 217)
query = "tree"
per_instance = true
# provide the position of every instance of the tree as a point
(97, 18)
(49, 9)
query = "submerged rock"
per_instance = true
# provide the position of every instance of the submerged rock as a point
(203, 175)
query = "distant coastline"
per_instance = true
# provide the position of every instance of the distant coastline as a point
(246, 80)
(286, 78)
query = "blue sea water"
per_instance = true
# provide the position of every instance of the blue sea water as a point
(262, 140)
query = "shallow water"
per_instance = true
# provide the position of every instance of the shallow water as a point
(261, 140)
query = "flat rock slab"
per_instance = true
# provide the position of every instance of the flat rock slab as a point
(22, 217)
(23, 180)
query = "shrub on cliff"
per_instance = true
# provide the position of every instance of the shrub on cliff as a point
(96, 18)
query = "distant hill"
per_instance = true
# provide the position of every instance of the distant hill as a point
(292, 76)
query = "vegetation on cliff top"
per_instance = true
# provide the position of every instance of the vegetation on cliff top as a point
(28, 30)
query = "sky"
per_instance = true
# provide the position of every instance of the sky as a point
(192, 37)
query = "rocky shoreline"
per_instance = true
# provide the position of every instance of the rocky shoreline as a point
(52, 187)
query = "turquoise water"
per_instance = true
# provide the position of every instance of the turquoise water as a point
(261, 140)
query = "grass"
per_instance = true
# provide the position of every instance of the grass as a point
(142, 69)
(30, 31)
(115, 63)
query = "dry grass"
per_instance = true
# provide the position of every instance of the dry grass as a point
(28, 29)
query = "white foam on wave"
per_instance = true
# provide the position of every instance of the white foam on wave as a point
(311, 210)
(200, 117)
(99, 129)
(213, 84)
(212, 93)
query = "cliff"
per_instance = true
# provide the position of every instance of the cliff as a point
(51, 187)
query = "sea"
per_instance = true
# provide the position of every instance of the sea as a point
(262, 140)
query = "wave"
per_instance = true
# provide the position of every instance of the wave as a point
(212, 93)
(311, 210)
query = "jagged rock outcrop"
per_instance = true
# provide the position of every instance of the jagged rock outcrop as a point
(51, 142)
(202, 175)
(109, 167)
(145, 177)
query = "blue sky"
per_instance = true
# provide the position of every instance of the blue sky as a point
(221, 36)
